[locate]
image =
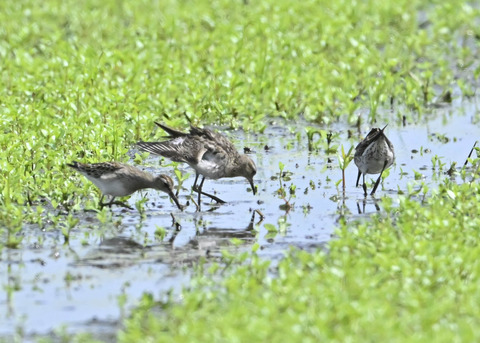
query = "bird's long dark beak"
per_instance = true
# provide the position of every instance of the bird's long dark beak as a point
(384, 127)
(253, 186)
(175, 199)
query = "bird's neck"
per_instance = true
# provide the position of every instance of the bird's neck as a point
(147, 181)
(233, 169)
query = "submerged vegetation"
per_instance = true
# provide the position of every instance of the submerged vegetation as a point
(85, 80)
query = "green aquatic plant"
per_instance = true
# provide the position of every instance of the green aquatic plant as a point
(160, 233)
(281, 192)
(452, 170)
(325, 139)
(344, 160)
(140, 206)
(87, 88)
(85, 80)
(418, 175)
(386, 278)
(180, 177)
(67, 226)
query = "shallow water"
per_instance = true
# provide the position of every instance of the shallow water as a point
(47, 284)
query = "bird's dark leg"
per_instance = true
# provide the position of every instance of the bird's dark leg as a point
(213, 197)
(364, 186)
(102, 204)
(175, 223)
(358, 177)
(119, 203)
(194, 187)
(200, 192)
(112, 202)
(198, 189)
(378, 180)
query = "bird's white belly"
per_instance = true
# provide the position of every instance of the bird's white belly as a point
(373, 159)
(111, 187)
(375, 166)
(208, 169)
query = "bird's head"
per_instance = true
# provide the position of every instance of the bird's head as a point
(164, 183)
(246, 167)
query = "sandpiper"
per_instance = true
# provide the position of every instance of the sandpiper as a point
(211, 154)
(119, 179)
(373, 155)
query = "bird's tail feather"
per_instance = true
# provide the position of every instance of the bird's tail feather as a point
(74, 165)
(172, 132)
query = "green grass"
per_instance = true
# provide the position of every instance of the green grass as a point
(411, 274)
(86, 79)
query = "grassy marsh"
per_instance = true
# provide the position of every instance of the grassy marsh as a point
(86, 80)
(410, 274)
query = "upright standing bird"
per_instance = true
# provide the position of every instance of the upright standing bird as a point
(119, 179)
(373, 155)
(211, 154)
